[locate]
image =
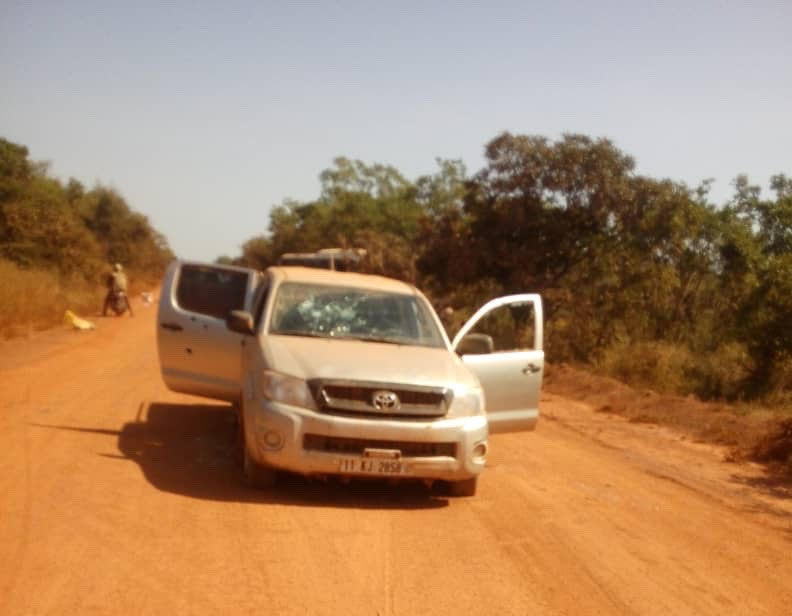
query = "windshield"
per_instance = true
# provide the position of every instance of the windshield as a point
(344, 312)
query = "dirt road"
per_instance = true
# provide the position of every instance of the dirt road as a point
(118, 497)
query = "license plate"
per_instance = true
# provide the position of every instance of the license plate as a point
(371, 466)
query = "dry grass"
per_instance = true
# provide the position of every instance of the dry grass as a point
(32, 300)
(751, 432)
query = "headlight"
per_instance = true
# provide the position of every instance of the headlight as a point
(286, 389)
(467, 402)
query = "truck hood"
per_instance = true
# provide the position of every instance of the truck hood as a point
(356, 360)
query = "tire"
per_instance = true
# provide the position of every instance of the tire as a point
(257, 475)
(239, 436)
(466, 487)
(119, 304)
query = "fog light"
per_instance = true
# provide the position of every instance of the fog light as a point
(271, 440)
(480, 450)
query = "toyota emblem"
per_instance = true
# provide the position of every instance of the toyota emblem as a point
(384, 400)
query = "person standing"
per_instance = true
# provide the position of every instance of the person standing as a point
(117, 283)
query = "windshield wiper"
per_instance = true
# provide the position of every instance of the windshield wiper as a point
(383, 340)
(330, 336)
(299, 333)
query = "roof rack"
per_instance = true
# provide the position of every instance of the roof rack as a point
(340, 259)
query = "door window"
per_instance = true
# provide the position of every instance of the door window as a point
(507, 328)
(211, 291)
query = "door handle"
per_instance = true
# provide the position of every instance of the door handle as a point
(172, 326)
(531, 369)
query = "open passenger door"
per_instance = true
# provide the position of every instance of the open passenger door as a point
(505, 353)
(198, 354)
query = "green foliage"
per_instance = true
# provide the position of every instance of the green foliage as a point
(532, 213)
(757, 273)
(722, 373)
(647, 363)
(67, 230)
(372, 207)
(642, 277)
(355, 177)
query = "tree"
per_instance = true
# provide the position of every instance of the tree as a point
(372, 207)
(758, 264)
(47, 225)
(623, 261)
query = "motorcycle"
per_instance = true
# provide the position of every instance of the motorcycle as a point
(119, 302)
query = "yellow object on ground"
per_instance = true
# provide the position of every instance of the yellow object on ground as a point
(69, 318)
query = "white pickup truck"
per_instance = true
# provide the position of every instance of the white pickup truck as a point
(346, 374)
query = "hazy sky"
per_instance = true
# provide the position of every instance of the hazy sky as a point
(204, 115)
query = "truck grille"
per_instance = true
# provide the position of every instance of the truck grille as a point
(337, 444)
(380, 399)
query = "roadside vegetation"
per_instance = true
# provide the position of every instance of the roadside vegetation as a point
(58, 241)
(644, 279)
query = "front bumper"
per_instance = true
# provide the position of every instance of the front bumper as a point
(275, 436)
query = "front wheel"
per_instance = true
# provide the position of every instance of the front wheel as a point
(257, 475)
(119, 304)
(466, 487)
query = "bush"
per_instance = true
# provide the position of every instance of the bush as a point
(674, 369)
(34, 299)
(723, 373)
(652, 365)
(779, 393)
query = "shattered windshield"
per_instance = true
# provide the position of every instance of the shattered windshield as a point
(345, 312)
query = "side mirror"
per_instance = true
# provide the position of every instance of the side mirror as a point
(475, 344)
(240, 321)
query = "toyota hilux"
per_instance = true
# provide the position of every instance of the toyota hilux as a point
(337, 373)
